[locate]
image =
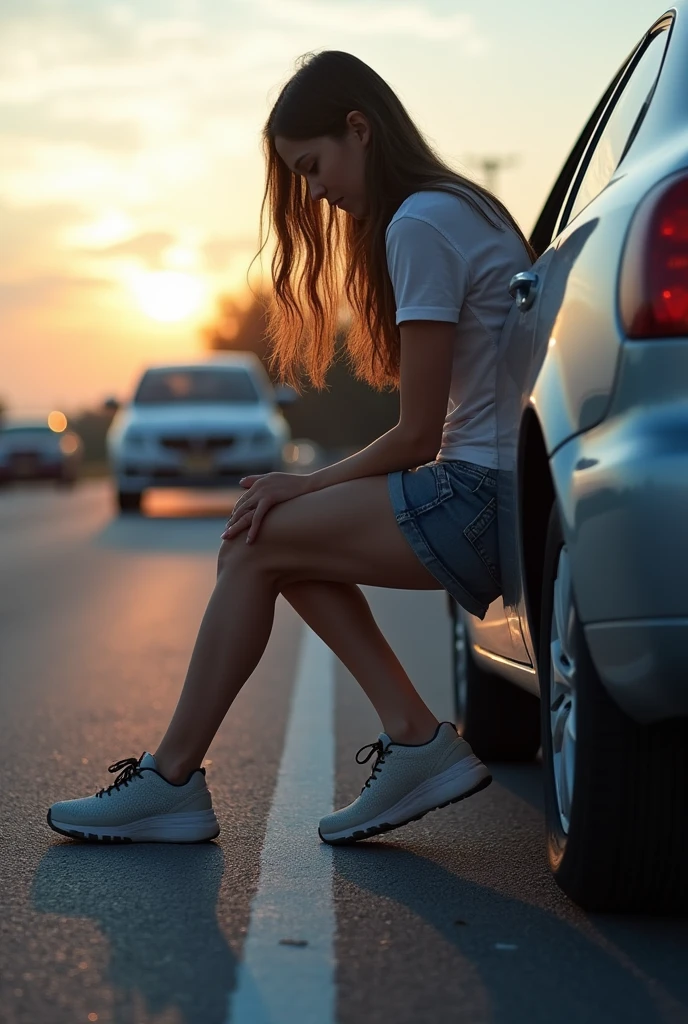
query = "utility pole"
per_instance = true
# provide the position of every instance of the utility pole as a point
(490, 166)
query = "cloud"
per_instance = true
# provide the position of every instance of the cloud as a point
(26, 227)
(34, 292)
(47, 122)
(218, 252)
(148, 247)
(375, 19)
(32, 236)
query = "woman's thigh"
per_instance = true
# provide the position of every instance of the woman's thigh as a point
(346, 533)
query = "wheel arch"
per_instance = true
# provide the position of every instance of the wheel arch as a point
(535, 498)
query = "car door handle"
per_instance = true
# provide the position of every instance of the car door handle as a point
(524, 288)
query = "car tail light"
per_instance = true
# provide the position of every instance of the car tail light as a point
(653, 288)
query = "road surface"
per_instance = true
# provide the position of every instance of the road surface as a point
(453, 918)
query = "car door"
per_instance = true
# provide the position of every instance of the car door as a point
(560, 236)
(500, 631)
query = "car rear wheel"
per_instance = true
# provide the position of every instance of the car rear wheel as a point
(616, 792)
(129, 501)
(499, 719)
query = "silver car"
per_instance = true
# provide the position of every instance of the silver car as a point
(584, 656)
(200, 424)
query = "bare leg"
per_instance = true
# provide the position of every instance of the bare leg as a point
(341, 616)
(342, 534)
(234, 633)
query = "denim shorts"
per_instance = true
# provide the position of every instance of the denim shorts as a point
(448, 513)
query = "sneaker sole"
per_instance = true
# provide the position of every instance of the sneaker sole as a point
(189, 827)
(464, 779)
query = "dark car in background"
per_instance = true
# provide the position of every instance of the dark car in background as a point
(39, 449)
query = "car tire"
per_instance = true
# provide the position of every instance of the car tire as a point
(129, 501)
(616, 792)
(499, 719)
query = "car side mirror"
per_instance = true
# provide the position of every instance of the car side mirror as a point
(111, 404)
(285, 395)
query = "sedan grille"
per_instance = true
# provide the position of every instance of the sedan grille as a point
(197, 445)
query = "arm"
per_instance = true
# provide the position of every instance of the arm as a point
(427, 348)
(430, 278)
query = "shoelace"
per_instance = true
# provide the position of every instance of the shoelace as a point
(374, 748)
(131, 768)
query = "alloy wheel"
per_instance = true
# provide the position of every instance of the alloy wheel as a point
(461, 681)
(562, 690)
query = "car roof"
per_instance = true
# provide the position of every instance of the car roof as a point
(231, 360)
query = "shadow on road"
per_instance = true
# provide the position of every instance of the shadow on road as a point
(529, 963)
(523, 780)
(157, 909)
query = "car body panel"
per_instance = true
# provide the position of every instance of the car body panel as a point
(612, 481)
(623, 493)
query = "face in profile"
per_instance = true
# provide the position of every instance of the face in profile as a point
(333, 168)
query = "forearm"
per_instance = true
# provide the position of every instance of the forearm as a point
(392, 451)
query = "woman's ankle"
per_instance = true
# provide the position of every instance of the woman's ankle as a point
(412, 733)
(171, 771)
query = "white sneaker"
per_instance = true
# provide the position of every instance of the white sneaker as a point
(140, 806)
(406, 782)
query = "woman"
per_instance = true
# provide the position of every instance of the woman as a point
(357, 199)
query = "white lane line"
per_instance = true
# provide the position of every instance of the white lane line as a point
(287, 984)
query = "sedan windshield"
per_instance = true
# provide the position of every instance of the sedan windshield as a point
(20, 431)
(196, 385)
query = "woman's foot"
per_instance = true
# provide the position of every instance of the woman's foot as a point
(140, 806)
(406, 782)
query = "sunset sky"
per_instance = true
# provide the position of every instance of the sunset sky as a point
(131, 173)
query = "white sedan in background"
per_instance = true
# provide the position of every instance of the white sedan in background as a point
(198, 424)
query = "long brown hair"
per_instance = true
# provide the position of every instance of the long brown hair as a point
(323, 253)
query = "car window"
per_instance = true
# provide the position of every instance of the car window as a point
(26, 431)
(622, 123)
(196, 385)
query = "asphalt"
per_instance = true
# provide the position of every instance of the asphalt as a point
(454, 917)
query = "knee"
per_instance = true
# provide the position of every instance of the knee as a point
(224, 555)
(230, 553)
(236, 552)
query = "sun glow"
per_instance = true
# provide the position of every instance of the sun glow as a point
(168, 295)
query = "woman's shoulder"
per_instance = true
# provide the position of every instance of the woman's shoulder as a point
(465, 219)
(443, 209)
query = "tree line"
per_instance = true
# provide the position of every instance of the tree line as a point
(348, 414)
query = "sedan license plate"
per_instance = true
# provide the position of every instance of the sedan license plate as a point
(198, 463)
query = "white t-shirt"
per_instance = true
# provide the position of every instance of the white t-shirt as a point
(448, 263)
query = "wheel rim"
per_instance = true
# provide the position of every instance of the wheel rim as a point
(460, 651)
(562, 691)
